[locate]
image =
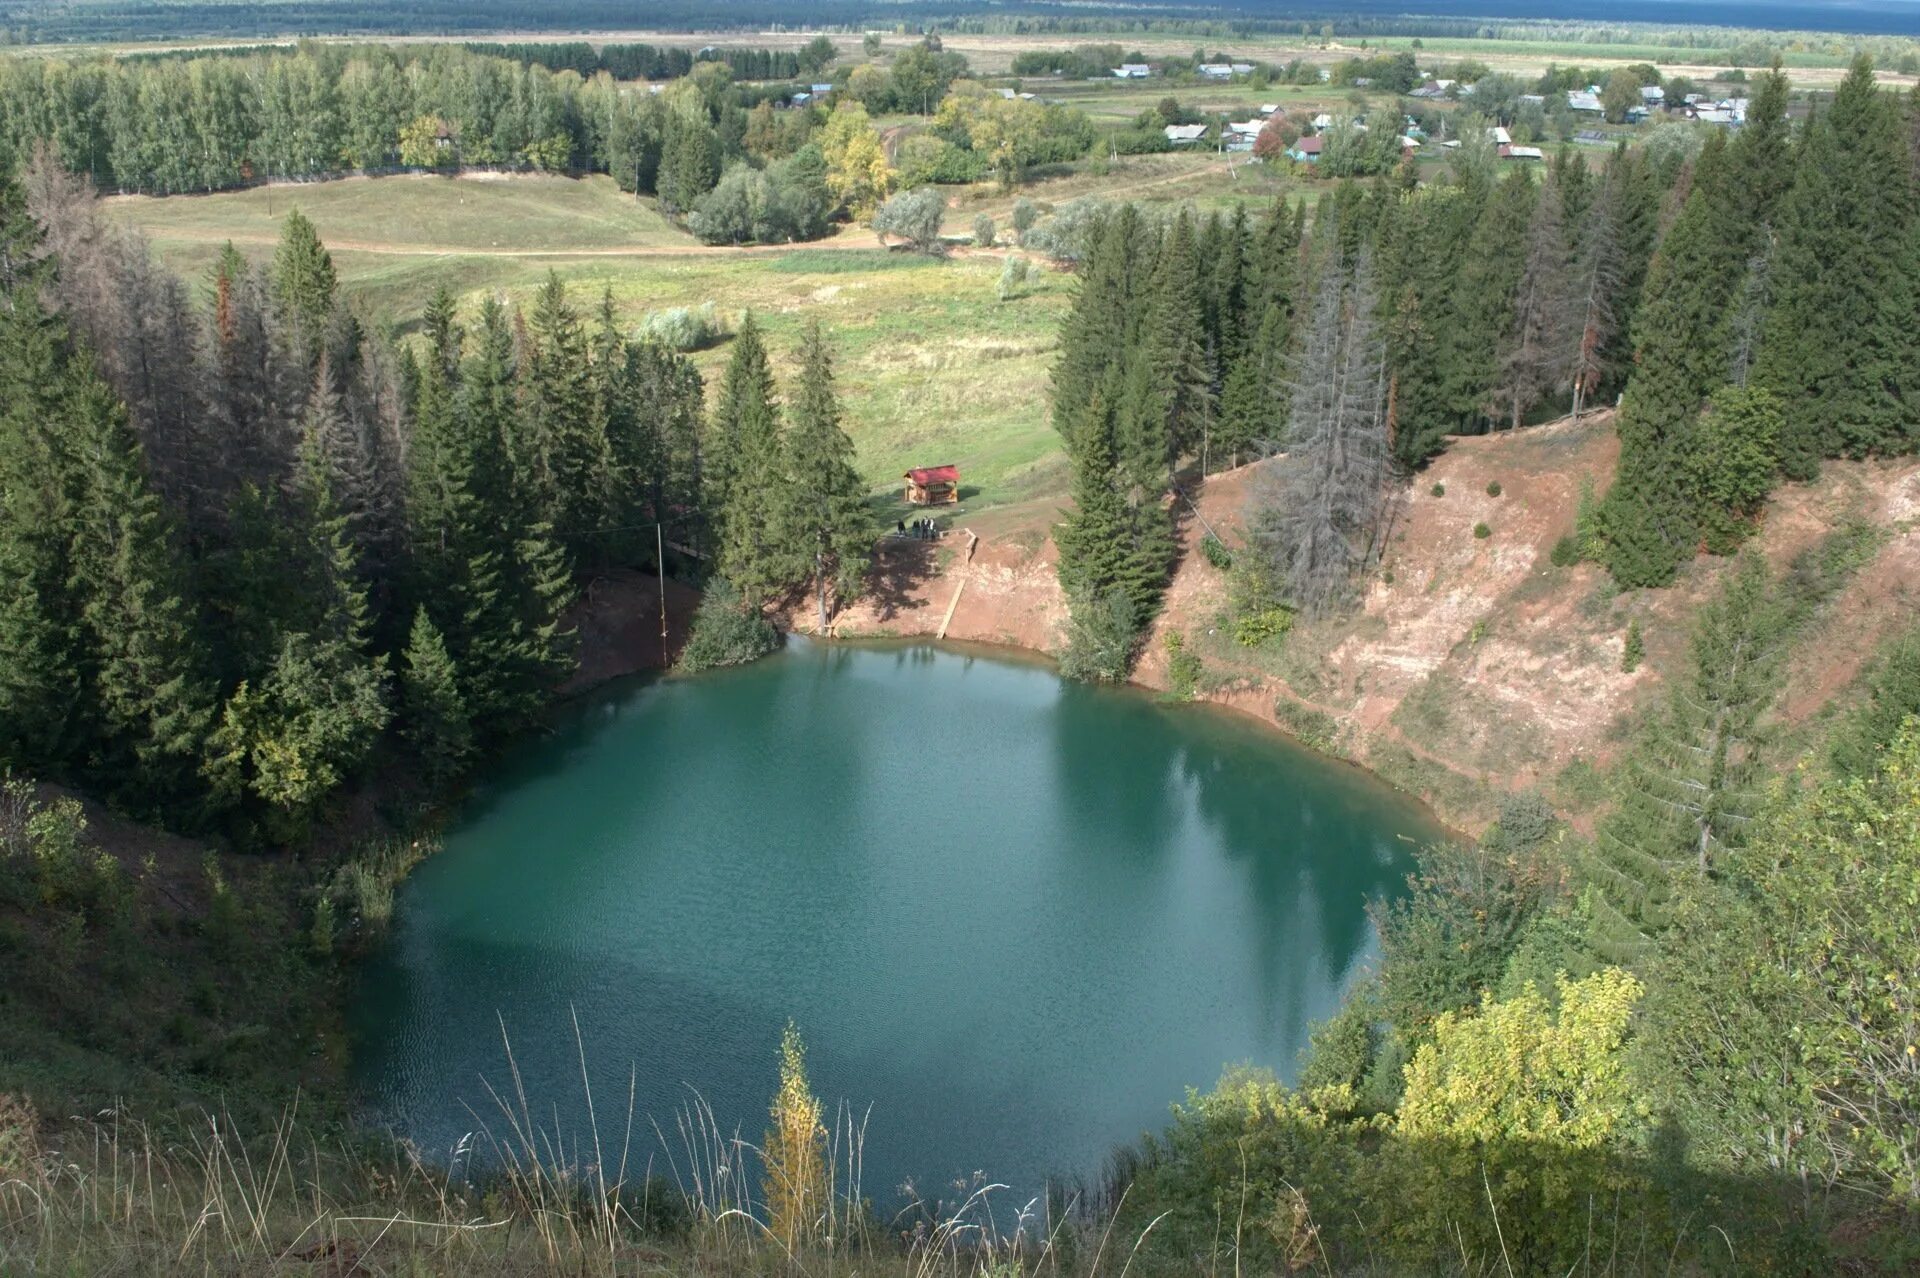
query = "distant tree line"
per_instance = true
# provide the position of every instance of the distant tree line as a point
(164, 126)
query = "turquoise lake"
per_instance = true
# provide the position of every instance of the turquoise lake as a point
(1014, 918)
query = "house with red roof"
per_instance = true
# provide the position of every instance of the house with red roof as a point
(933, 485)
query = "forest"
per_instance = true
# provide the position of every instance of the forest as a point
(262, 553)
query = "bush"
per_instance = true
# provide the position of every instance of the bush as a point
(1251, 629)
(1493, 488)
(684, 328)
(1100, 640)
(1013, 277)
(1183, 668)
(1634, 650)
(1216, 552)
(726, 631)
(1439, 490)
(1566, 552)
(1025, 214)
(1481, 532)
(915, 217)
(983, 231)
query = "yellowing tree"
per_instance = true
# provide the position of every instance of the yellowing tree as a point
(1005, 131)
(797, 1183)
(1517, 1071)
(858, 173)
(426, 142)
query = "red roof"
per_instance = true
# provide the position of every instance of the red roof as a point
(1308, 145)
(925, 475)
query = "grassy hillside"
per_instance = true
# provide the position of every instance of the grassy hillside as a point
(933, 366)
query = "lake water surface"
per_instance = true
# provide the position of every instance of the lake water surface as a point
(1013, 918)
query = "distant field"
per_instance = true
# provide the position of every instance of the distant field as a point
(419, 212)
(933, 368)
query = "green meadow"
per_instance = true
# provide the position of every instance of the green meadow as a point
(933, 367)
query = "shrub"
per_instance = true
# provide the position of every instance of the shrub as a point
(1183, 668)
(1251, 629)
(1025, 214)
(1438, 490)
(1566, 552)
(684, 328)
(321, 937)
(1493, 488)
(1013, 277)
(1216, 552)
(983, 231)
(913, 216)
(726, 631)
(1100, 639)
(1481, 532)
(1633, 650)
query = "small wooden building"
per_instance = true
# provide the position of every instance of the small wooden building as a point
(933, 486)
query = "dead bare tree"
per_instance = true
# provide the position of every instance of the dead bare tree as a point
(1599, 274)
(1317, 510)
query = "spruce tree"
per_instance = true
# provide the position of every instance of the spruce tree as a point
(43, 718)
(1174, 349)
(1483, 299)
(304, 282)
(1689, 788)
(746, 388)
(433, 715)
(1840, 340)
(1649, 518)
(142, 670)
(827, 516)
(751, 469)
(567, 445)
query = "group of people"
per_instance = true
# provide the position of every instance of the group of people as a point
(921, 530)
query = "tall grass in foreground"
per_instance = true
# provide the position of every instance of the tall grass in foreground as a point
(513, 1196)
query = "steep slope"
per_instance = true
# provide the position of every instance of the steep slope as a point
(1474, 666)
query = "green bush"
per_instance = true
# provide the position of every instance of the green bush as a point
(1183, 668)
(1493, 488)
(1100, 639)
(1438, 490)
(1481, 532)
(983, 231)
(684, 328)
(1216, 552)
(1633, 650)
(1251, 629)
(1566, 552)
(726, 631)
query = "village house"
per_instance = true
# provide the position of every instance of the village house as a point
(1131, 71)
(1185, 134)
(933, 485)
(1305, 151)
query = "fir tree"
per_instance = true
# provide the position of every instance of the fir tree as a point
(566, 437)
(304, 282)
(1689, 788)
(433, 715)
(1840, 339)
(1483, 299)
(1649, 517)
(1174, 350)
(746, 388)
(754, 554)
(828, 520)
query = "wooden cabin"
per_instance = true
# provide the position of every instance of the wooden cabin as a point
(933, 486)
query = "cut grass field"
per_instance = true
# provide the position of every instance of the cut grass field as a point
(933, 367)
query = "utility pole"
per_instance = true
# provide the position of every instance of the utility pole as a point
(660, 562)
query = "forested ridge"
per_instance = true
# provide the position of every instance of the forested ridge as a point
(1753, 306)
